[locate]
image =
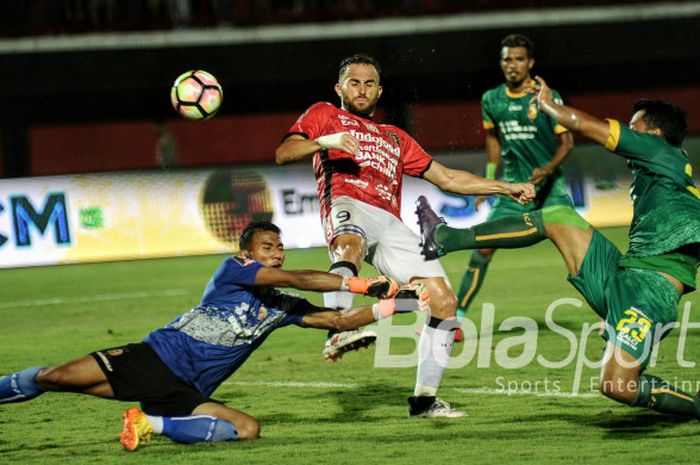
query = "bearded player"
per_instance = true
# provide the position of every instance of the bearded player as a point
(358, 165)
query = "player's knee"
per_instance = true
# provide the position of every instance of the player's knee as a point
(562, 214)
(348, 247)
(563, 211)
(449, 304)
(617, 388)
(52, 378)
(443, 302)
(486, 253)
(248, 429)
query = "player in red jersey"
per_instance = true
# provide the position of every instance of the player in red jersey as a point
(359, 165)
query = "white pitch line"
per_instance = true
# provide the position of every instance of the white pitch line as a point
(479, 391)
(294, 384)
(93, 298)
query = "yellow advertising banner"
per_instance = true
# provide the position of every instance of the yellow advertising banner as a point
(94, 217)
(116, 216)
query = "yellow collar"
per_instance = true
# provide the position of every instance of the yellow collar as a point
(512, 94)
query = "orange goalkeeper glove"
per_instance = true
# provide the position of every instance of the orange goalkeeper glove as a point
(381, 287)
(408, 299)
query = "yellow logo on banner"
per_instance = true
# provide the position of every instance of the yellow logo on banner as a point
(232, 199)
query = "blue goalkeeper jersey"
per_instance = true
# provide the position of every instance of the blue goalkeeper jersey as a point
(206, 345)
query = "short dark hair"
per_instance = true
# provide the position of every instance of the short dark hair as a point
(358, 58)
(519, 40)
(246, 240)
(671, 119)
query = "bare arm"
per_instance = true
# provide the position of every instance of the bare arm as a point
(575, 120)
(566, 145)
(409, 298)
(347, 319)
(303, 280)
(310, 280)
(465, 183)
(296, 147)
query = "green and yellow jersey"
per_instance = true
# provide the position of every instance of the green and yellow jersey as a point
(665, 229)
(528, 137)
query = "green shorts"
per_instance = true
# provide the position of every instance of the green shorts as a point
(506, 207)
(639, 306)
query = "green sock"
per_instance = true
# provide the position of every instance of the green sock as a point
(471, 282)
(656, 394)
(511, 232)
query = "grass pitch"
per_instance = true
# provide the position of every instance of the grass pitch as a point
(351, 412)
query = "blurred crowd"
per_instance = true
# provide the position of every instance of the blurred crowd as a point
(40, 17)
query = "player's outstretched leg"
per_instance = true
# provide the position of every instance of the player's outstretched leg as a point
(657, 394)
(20, 386)
(569, 232)
(138, 428)
(627, 384)
(82, 375)
(438, 239)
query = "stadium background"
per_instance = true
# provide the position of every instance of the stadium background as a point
(79, 71)
(85, 89)
(81, 94)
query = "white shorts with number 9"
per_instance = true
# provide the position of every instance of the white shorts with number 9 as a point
(390, 245)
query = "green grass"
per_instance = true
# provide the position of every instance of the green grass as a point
(54, 314)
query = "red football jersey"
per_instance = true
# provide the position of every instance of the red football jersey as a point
(373, 175)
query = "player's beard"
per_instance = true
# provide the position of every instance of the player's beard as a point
(515, 84)
(363, 113)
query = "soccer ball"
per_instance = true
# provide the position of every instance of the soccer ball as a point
(196, 95)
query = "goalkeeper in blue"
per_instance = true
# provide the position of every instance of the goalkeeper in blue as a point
(636, 293)
(173, 372)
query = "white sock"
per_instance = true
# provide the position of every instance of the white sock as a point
(340, 299)
(156, 423)
(434, 350)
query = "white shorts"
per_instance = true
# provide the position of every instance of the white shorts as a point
(391, 247)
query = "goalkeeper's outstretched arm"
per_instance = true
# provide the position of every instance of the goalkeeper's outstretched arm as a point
(382, 287)
(408, 299)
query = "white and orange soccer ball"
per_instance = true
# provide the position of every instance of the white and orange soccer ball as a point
(196, 95)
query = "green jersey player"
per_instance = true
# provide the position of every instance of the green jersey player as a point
(636, 293)
(530, 145)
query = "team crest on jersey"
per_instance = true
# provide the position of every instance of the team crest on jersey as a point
(262, 313)
(532, 111)
(372, 127)
(243, 261)
(394, 137)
